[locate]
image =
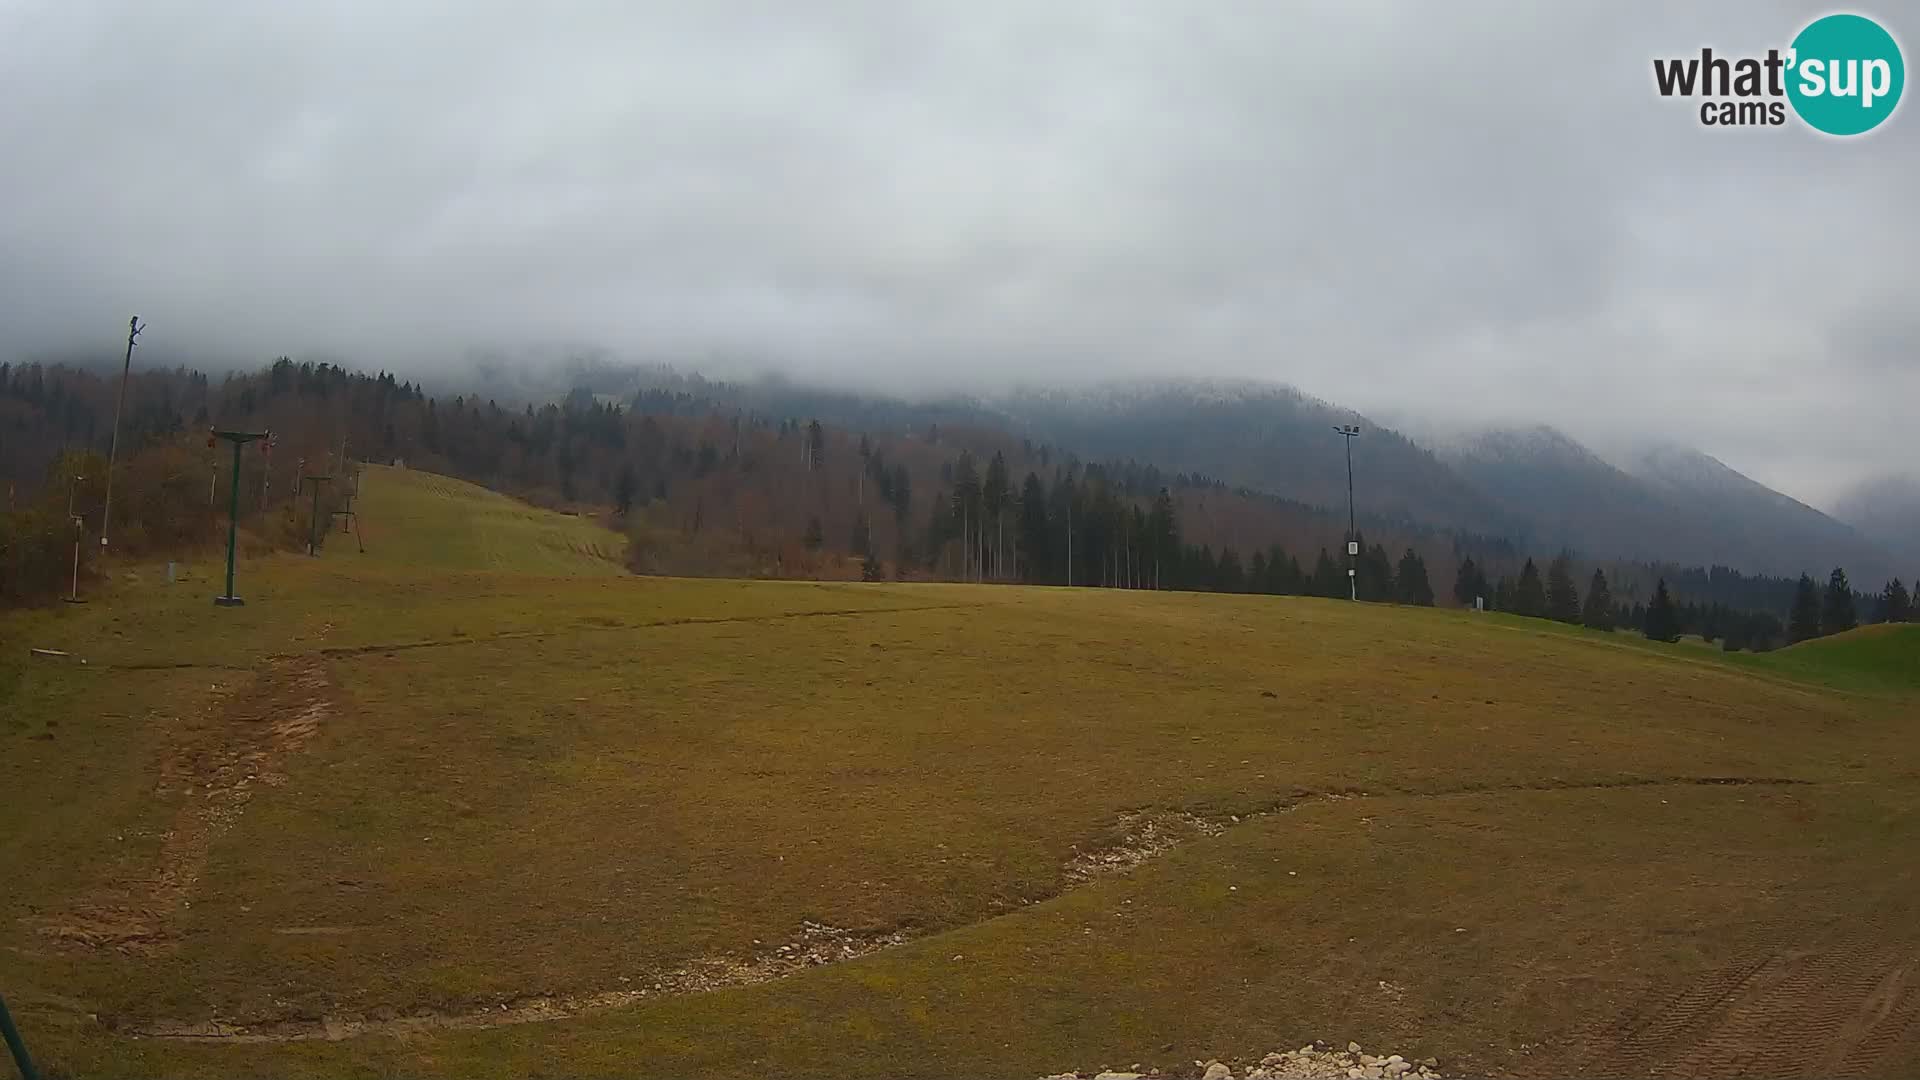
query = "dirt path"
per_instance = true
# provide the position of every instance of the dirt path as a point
(212, 769)
(1135, 837)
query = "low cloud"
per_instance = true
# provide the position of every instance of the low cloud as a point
(1447, 209)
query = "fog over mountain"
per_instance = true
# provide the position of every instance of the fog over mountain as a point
(1535, 486)
(1441, 209)
(1887, 509)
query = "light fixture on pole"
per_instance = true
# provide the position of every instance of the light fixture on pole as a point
(1350, 432)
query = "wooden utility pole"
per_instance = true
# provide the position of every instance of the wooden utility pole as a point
(113, 447)
(266, 470)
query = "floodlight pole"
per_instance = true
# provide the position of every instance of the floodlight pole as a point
(113, 447)
(1350, 432)
(238, 439)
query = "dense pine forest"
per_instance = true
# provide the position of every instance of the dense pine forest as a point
(706, 490)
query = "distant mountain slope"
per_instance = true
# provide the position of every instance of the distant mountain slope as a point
(1667, 502)
(1887, 510)
(1569, 498)
(1764, 528)
(1263, 436)
(1534, 485)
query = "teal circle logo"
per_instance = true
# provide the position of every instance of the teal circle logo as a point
(1845, 74)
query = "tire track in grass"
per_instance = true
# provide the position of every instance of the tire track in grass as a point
(535, 635)
(605, 628)
(1843, 1003)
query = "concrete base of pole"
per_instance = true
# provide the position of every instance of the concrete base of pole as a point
(229, 601)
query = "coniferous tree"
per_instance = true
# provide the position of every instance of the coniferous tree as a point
(1662, 622)
(1375, 579)
(1502, 598)
(623, 491)
(1895, 605)
(994, 497)
(1530, 596)
(1229, 577)
(1411, 581)
(1804, 622)
(966, 513)
(1837, 615)
(1201, 568)
(1163, 538)
(1713, 623)
(1035, 538)
(1563, 602)
(1469, 583)
(1287, 576)
(816, 444)
(1276, 563)
(902, 492)
(1328, 580)
(1598, 612)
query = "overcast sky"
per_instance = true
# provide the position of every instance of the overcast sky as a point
(1469, 211)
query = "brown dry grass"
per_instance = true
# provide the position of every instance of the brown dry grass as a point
(530, 797)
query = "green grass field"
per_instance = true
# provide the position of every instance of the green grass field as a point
(476, 803)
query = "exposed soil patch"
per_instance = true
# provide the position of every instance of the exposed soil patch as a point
(1315, 1061)
(815, 945)
(1139, 835)
(212, 772)
(1135, 837)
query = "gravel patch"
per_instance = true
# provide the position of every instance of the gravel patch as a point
(1316, 1061)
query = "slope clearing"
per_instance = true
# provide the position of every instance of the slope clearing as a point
(466, 805)
(437, 522)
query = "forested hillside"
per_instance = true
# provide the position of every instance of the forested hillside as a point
(1535, 486)
(706, 489)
